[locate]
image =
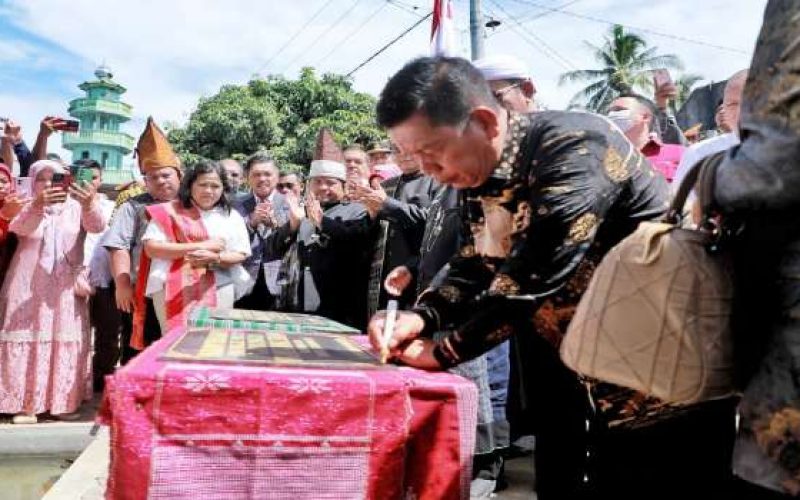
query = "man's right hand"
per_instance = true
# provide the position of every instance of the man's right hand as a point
(407, 326)
(124, 297)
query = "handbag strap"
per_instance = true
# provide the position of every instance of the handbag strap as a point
(705, 170)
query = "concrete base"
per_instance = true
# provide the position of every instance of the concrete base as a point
(45, 439)
(86, 479)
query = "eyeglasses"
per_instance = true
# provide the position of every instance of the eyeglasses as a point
(499, 93)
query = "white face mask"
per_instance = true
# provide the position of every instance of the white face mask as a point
(622, 118)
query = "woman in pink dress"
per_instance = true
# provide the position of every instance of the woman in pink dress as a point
(44, 328)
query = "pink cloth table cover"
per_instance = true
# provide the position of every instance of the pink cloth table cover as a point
(218, 431)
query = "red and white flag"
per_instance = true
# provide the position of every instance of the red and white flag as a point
(443, 33)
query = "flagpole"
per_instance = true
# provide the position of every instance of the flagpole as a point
(476, 28)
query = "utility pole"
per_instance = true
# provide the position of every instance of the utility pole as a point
(476, 28)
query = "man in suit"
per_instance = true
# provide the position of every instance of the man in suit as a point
(264, 209)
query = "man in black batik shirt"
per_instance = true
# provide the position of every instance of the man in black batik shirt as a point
(546, 196)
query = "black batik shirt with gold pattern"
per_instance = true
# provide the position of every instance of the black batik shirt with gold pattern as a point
(567, 188)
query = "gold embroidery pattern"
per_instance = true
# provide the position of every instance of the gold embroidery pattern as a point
(615, 165)
(503, 285)
(515, 132)
(581, 228)
(522, 217)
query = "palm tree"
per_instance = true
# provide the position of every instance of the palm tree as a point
(685, 84)
(627, 66)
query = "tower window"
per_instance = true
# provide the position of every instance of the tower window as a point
(84, 155)
(105, 159)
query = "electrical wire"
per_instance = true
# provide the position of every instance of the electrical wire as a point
(540, 44)
(352, 33)
(398, 37)
(293, 37)
(326, 31)
(634, 28)
(521, 19)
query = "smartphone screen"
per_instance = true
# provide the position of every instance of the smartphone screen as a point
(62, 180)
(23, 186)
(85, 176)
(81, 174)
(661, 77)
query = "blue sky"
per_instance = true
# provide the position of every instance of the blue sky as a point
(169, 53)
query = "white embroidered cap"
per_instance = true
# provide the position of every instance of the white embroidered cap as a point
(328, 168)
(502, 67)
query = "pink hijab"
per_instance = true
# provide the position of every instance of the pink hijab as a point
(51, 250)
(39, 167)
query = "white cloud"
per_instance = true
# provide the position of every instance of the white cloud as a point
(168, 54)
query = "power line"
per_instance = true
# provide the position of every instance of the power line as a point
(352, 33)
(411, 9)
(545, 48)
(293, 37)
(521, 18)
(644, 30)
(335, 23)
(398, 37)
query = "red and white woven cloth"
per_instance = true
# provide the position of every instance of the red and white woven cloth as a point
(206, 431)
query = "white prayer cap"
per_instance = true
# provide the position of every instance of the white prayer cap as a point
(328, 168)
(502, 67)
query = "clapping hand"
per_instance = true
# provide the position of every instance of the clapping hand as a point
(262, 214)
(371, 198)
(296, 212)
(313, 209)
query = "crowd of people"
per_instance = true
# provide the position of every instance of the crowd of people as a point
(483, 218)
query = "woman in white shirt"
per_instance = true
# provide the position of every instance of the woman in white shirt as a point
(197, 244)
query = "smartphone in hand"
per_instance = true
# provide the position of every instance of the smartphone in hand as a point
(61, 180)
(661, 77)
(23, 186)
(68, 126)
(82, 175)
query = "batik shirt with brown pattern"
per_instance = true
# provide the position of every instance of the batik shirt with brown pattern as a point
(567, 188)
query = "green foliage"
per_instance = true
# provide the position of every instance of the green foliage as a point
(626, 66)
(279, 115)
